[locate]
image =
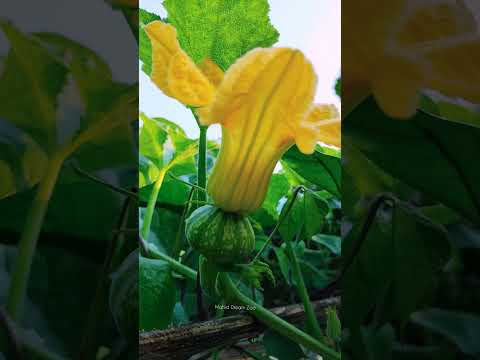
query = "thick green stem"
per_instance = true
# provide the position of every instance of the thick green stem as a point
(202, 163)
(29, 239)
(312, 323)
(274, 322)
(147, 219)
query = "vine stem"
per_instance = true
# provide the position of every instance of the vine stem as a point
(176, 265)
(312, 323)
(147, 220)
(29, 238)
(274, 322)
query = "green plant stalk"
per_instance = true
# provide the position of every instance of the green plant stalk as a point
(274, 322)
(202, 163)
(147, 219)
(312, 323)
(29, 238)
(181, 227)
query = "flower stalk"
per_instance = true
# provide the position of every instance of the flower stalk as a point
(29, 238)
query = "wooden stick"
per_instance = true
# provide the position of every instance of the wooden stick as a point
(184, 341)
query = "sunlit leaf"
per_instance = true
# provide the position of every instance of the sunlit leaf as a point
(221, 30)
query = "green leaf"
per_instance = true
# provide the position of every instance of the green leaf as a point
(379, 342)
(222, 30)
(145, 49)
(281, 347)
(451, 110)
(338, 87)
(29, 87)
(163, 229)
(400, 245)
(164, 144)
(123, 296)
(307, 213)
(320, 169)
(172, 192)
(22, 162)
(331, 242)
(427, 153)
(460, 328)
(157, 294)
(278, 188)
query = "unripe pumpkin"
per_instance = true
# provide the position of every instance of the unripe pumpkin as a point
(223, 238)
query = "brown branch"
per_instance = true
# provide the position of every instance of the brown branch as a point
(184, 341)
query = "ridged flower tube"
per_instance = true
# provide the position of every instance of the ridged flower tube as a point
(175, 73)
(264, 105)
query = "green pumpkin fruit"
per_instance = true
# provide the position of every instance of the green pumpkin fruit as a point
(223, 238)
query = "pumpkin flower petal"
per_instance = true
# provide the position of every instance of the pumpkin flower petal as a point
(405, 48)
(172, 69)
(212, 71)
(322, 123)
(263, 103)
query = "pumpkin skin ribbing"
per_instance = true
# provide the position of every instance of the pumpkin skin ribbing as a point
(223, 238)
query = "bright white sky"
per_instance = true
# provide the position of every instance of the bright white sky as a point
(312, 26)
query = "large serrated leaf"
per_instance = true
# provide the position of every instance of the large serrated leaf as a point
(222, 30)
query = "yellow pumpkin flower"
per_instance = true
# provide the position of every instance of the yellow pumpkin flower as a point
(264, 105)
(394, 49)
(175, 73)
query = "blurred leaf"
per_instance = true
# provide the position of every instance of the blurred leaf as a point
(338, 87)
(323, 170)
(157, 294)
(458, 327)
(379, 342)
(22, 162)
(180, 316)
(29, 87)
(281, 347)
(464, 237)
(221, 30)
(331, 242)
(437, 154)
(99, 98)
(451, 110)
(283, 263)
(123, 297)
(400, 245)
(81, 208)
(334, 327)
